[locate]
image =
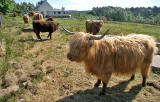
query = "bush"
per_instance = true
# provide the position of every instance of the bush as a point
(1, 13)
(15, 14)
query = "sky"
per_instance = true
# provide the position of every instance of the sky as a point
(89, 4)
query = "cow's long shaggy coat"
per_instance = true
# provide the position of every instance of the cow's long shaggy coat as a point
(44, 26)
(93, 26)
(122, 55)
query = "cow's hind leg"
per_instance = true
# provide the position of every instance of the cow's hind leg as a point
(105, 80)
(97, 83)
(145, 72)
(132, 77)
(38, 35)
(49, 35)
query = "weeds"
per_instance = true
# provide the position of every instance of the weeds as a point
(37, 78)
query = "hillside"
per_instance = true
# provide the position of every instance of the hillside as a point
(38, 71)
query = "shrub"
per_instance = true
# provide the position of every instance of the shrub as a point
(1, 13)
(15, 14)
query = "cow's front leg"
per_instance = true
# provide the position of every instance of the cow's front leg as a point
(105, 80)
(38, 35)
(103, 89)
(97, 83)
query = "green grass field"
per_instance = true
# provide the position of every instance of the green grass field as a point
(116, 27)
(51, 77)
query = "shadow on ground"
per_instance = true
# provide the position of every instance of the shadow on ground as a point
(116, 93)
(156, 70)
(27, 30)
(33, 40)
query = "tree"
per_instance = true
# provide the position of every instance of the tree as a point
(6, 6)
(23, 7)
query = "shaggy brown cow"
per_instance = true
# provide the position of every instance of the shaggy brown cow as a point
(33, 13)
(44, 26)
(121, 55)
(26, 18)
(93, 26)
(50, 19)
(37, 16)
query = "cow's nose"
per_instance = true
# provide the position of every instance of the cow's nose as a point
(69, 56)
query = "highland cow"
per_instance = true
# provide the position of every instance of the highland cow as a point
(44, 26)
(33, 13)
(93, 26)
(26, 18)
(50, 19)
(120, 55)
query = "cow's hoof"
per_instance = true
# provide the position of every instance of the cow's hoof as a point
(144, 85)
(96, 86)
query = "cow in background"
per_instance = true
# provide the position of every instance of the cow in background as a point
(93, 26)
(50, 19)
(44, 26)
(26, 18)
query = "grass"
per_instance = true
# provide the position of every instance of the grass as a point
(12, 97)
(30, 53)
(13, 47)
(116, 27)
(37, 78)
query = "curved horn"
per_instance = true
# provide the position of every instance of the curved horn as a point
(95, 37)
(67, 30)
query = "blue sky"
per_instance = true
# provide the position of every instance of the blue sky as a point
(89, 4)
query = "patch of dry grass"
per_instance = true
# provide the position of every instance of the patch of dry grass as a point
(51, 77)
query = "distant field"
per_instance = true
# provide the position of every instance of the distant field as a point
(116, 27)
(51, 77)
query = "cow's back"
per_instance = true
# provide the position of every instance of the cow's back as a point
(45, 26)
(132, 52)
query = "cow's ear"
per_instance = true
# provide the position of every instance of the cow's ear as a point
(90, 42)
(88, 38)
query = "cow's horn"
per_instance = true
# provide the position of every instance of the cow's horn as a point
(95, 37)
(67, 30)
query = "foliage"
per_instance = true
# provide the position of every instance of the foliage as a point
(23, 7)
(82, 16)
(15, 14)
(139, 14)
(6, 6)
(1, 13)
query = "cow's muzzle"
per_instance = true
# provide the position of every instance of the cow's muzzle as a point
(69, 56)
